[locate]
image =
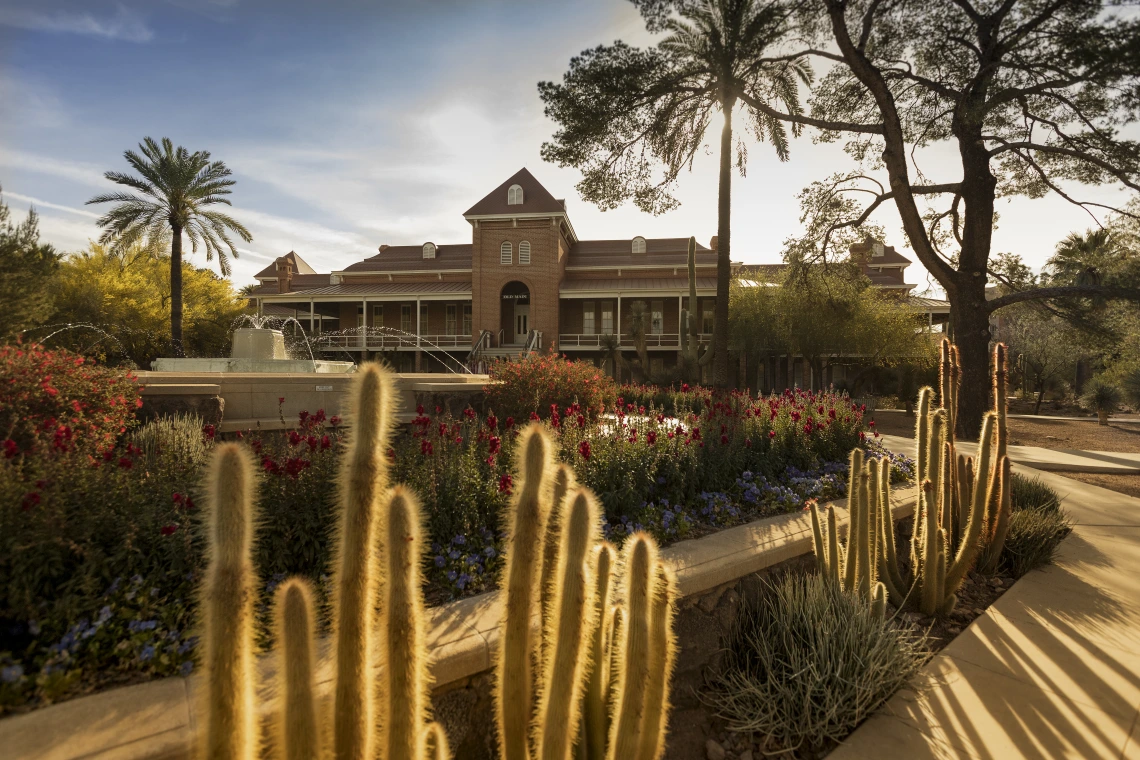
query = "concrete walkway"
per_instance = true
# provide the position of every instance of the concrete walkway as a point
(1057, 460)
(1051, 670)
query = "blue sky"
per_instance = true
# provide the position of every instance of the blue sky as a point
(352, 124)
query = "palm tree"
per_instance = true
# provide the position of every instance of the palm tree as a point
(618, 106)
(176, 186)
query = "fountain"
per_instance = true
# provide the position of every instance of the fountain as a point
(255, 349)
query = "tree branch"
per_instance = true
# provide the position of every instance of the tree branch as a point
(1062, 291)
(832, 126)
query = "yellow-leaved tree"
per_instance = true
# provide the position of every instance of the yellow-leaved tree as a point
(125, 299)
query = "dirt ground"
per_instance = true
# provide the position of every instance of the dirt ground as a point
(1126, 484)
(1049, 434)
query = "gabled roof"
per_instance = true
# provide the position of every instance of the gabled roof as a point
(889, 257)
(300, 266)
(399, 258)
(662, 252)
(536, 199)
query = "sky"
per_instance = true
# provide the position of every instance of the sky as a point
(354, 124)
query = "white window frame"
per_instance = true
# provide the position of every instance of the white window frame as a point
(424, 318)
(429, 250)
(407, 324)
(506, 253)
(514, 195)
(638, 245)
(524, 252)
(708, 317)
(378, 314)
(657, 317)
(587, 317)
(607, 318)
(466, 319)
(360, 315)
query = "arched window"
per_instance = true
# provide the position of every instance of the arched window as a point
(505, 253)
(639, 244)
(514, 195)
(524, 252)
(429, 250)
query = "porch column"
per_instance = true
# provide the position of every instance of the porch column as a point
(419, 331)
(310, 316)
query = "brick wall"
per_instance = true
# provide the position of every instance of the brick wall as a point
(541, 276)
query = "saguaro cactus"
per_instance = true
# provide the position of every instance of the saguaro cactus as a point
(378, 529)
(581, 681)
(692, 358)
(962, 505)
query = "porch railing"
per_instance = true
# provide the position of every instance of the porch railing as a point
(384, 342)
(657, 340)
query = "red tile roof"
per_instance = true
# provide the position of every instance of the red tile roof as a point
(664, 252)
(536, 199)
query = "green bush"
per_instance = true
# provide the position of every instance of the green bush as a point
(1101, 396)
(807, 663)
(1033, 493)
(1032, 539)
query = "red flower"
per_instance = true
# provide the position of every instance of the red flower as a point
(334, 420)
(510, 423)
(684, 387)
(240, 435)
(505, 483)
(420, 409)
(651, 437)
(313, 442)
(724, 440)
(280, 400)
(392, 454)
(469, 413)
(807, 428)
(326, 442)
(209, 431)
(534, 416)
(176, 498)
(748, 442)
(303, 415)
(492, 421)
(126, 463)
(426, 448)
(31, 499)
(168, 530)
(494, 444)
(581, 420)
(871, 424)
(584, 450)
(294, 437)
(771, 433)
(862, 436)
(11, 449)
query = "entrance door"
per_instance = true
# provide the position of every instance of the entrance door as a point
(522, 322)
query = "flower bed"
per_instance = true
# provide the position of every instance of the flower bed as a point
(99, 554)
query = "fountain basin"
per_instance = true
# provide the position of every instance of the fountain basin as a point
(318, 366)
(255, 349)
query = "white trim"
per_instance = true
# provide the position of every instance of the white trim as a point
(544, 215)
(662, 267)
(389, 272)
(506, 253)
(521, 244)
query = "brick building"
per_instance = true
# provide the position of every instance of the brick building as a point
(525, 281)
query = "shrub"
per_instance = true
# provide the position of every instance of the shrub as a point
(1036, 527)
(1101, 396)
(535, 383)
(807, 663)
(60, 401)
(170, 440)
(1033, 538)
(1130, 386)
(1033, 493)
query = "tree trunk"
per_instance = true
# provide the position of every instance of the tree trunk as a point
(972, 336)
(1040, 396)
(723, 260)
(176, 291)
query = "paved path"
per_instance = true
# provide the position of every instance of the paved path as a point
(1057, 417)
(1060, 460)
(1051, 670)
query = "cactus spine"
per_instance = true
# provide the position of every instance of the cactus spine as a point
(402, 635)
(298, 732)
(662, 652)
(227, 605)
(633, 648)
(595, 711)
(571, 618)
(369, 537)
(518, 647)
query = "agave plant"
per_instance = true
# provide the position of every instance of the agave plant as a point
(1102, 397)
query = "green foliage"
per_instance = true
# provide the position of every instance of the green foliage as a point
(57, 401)
(125, 297)
(26, 269)
(533, 384)
(1130, 387)
(1101, 396)
(823, 312)
(1033, 493)
(807, 662)
(1033, 537)
(176, 187)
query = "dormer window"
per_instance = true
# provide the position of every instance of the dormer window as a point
(505, 252)
(877, 248)
(524, 252)
(639, 244)
(429, 250)
(514, 195)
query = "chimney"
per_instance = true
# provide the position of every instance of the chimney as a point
(712, 243)
(284, 274)
(384, 247)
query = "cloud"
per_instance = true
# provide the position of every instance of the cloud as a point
(76, 171)
(39, 204)
(123, 25)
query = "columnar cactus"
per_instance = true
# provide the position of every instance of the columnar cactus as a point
(854, 565)
(962, 509)
(588, 700)
(379, 554)
(692, 358)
